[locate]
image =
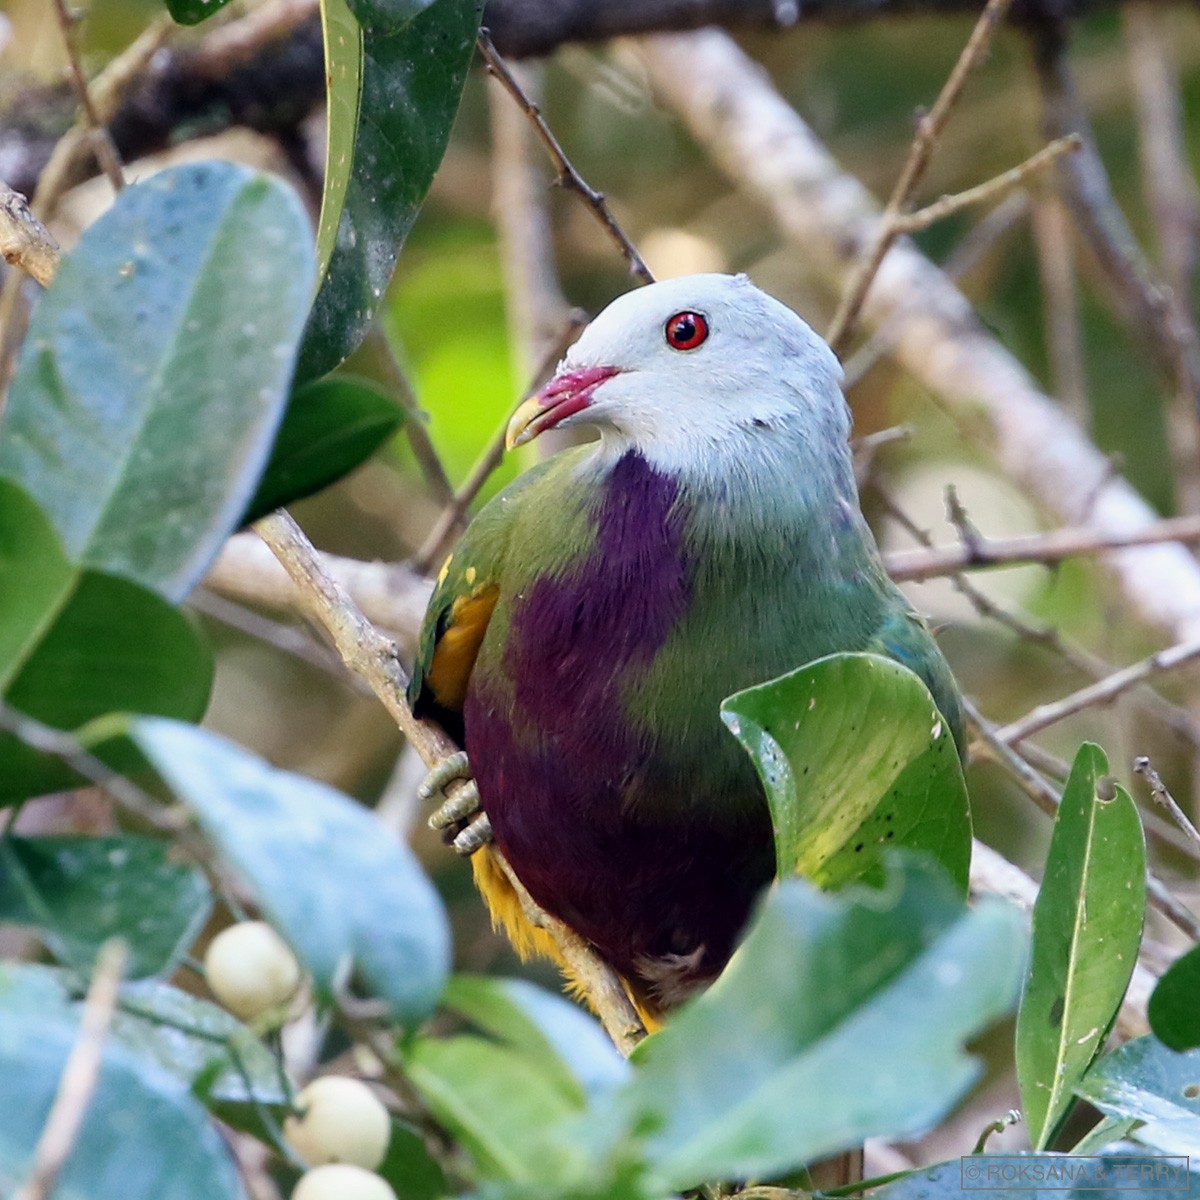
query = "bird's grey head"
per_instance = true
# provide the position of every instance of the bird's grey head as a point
(692, 366)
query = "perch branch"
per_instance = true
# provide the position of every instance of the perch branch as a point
(368, 653)
(24, 241)
(1162, 796)
(80, 1075)
(568, 177)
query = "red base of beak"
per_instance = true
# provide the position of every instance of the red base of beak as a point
(564, 396)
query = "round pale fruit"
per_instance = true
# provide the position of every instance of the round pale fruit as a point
(341, 1121)
(251, 969)
(341, 1181)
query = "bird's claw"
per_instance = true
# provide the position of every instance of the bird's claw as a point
(460, 808)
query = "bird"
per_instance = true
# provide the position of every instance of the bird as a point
(586, 627)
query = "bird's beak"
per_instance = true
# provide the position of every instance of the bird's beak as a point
(562, 397)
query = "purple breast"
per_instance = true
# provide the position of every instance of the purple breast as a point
(574, 790)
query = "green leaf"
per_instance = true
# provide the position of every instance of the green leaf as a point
(143, 1134)
(1149, 1082)
(568, 1044)
(331, 880)
(192, 12)
(504, 1107)
(330, 427)
(855, 759)
(157, 368)
(1087, 927)
(841, 1017)
(409, 1167)
(75, 645)
(1174, 1008)
(1120, 1174)
(80, 891)
(393, 94)
(206, 1048)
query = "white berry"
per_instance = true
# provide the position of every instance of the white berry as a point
(341, 1181)
(251, 969)
(342, 1121)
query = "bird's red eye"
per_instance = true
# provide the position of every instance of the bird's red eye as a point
(686, 330)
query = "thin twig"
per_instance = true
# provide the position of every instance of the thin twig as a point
(1102, 692)
(568, 176)
(993, 189)
(80, 1075)
(929, 129)
(367, 652)
(102, 143)
(1159, 791)
(1050, 547)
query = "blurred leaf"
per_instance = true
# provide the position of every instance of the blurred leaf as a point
(393, 94)
(564, 1041)
(330, 878)
(75, 645)
(206, 1048)
(841, 1017)
(192, 12)
(1018, 1177)
(80, 891)
(504, 1106)
(143, 1134)
(1087, 928)
(409, 1167)
(157, 368)
(1174, 1009)
(330, 427)
(1148, 1081)
(855, 759)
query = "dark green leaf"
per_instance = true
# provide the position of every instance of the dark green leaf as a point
(330, 427)
(841, 1017)
(80, 891)
(1087, 928)
(507, 1110)
(75, 645)
(561, 1038)
(1174, 1009)
(393, 94)
(157, 368)
(1116, 1175)
(388, 14)
(192, 12)
(409, 1167)
(144, 1137)
(332, 881)
(206, 1048)
(1145, 1080)
(855, 759)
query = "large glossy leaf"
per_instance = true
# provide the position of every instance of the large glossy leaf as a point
(1121, 1173)
(393, 92)
(841, 1017)
(855, 759)
(1174, 1008)
(206, 1048)
(157, 368)
(330, 427)
(1146, 1080)
(1087, 927)
(567, 1043)
(143, 1137)
(76, 644)
(80, 891)
(336, 885)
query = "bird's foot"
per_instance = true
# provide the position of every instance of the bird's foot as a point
(458, 816)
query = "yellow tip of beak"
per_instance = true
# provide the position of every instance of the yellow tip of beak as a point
(518, 432)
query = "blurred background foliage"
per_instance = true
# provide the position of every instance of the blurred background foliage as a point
(447, 317)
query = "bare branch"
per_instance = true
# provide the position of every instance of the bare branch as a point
(929, 129)
(365, 651)
(24, 241)
(79, 1078)
(568, 176)
(1103, 692)
(1159, 791)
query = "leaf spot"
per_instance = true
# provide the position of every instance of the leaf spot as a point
(1056, 1011)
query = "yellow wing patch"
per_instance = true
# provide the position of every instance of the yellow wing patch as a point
(456, 650)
